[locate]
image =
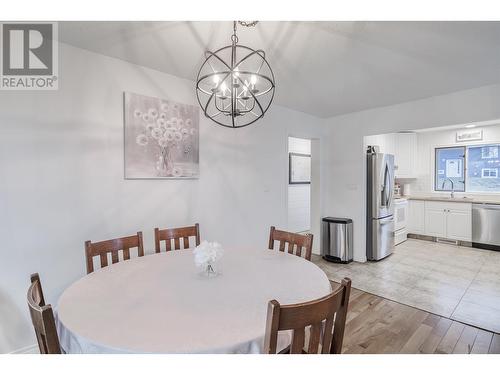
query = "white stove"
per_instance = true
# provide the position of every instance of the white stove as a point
(400, 220)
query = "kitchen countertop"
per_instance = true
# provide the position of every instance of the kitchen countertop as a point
(445, 198)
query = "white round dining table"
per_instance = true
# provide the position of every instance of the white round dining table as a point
(161, 303)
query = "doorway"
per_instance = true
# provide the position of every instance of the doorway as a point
(299, 185)
(303, 187)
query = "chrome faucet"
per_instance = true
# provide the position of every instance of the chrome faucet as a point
(452, 194)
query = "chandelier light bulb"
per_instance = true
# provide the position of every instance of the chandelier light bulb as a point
(223, 87)
(216, 79)
(244, 94)
(253, 79)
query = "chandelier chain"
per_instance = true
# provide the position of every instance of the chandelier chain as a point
(234, 37)
(248, 23)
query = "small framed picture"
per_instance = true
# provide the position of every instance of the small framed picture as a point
(469, 135)
(299, 168)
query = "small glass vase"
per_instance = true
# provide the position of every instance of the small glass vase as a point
(210, 271)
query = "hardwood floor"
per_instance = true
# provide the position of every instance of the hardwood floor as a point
(456, 282)
(377, 325)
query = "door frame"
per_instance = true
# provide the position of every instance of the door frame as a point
(315, 186)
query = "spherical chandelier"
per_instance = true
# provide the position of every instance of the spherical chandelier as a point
(235, 84)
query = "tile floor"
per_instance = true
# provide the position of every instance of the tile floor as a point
(456, 282)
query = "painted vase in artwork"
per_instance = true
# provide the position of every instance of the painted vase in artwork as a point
(161, 138)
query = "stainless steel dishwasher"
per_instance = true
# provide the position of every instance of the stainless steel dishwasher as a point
(486, 226)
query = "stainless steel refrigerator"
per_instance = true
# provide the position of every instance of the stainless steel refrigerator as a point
(380, 205)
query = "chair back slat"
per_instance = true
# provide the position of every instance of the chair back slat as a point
(299, 251)
(114, 256)
(104, 248)
(298, 337)
(295, 242)
(175, 235)
(325, 318)
(104, 259)
(42, 318)
(327, 336)
(314, 338)
(282, 245)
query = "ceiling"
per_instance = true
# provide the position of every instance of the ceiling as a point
(321, 68)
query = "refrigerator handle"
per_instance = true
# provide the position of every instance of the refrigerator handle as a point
(387, 188)
(386, 220)
(391, 188)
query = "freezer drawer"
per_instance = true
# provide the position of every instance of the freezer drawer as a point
(486, 224)
(382, 238)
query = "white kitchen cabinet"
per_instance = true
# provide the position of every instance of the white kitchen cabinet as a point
(416, 217)
(459, 224)
(405, 155)
(404, 148)
(390, 143)
(435, 220)
(451, 220)
(385, 142)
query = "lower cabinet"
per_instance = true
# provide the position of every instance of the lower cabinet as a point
(435, 220)
(416, 217)
(459, 224)
(452, 220)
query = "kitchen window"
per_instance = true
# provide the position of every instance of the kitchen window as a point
(483, 163)
(473, 169)
(450, 169)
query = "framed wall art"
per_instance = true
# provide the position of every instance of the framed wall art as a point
(161, 138)
(299, 168)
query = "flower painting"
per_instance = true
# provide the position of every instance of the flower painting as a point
(161, 138)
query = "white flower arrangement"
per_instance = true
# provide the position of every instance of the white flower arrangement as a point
(153, 113)
(164, 129)
(206, 256)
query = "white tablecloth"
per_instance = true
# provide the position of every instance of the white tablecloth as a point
(161, 304)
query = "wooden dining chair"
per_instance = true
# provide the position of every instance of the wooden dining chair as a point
(175, 235)
(294, 241)
(42, 318)
(324, 318)
(113, 247)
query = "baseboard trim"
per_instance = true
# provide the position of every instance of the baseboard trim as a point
(31, 349)
(439, 240)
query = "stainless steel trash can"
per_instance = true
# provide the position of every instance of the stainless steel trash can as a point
(336, 239)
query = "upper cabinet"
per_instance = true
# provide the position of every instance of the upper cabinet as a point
(404, 148)
(385, 142)
(405, 155)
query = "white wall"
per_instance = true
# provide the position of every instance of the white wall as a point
(346, 171)
(299, 195)
(61, 178)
